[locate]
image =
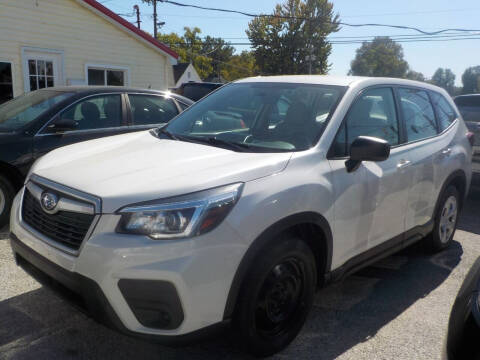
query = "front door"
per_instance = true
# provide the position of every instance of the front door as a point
(372, 200)
(96, 116)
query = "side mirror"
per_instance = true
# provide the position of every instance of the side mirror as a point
(366, 148)
(61, 125)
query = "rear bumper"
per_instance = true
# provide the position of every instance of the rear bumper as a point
(87, 294)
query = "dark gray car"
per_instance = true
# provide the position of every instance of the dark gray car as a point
(40, 121)
(469, 106)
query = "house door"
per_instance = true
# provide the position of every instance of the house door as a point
(42, 70)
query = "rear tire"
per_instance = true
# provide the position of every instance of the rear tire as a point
(446, 219)
(7, 193)
(276, 296)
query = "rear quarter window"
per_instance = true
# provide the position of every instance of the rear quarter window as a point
(446, 114)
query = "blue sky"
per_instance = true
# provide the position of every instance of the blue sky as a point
(429, 15)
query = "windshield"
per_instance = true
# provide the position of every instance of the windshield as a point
(260, 116)
(469, 107)
(24, 109)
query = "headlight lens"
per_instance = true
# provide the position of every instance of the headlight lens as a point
(184, 216)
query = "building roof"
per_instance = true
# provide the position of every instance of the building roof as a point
(178, 70)
(130, 27)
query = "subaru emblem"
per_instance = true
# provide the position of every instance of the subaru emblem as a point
(49, 201)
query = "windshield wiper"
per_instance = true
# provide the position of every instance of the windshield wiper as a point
(211, 140)
(231, 145)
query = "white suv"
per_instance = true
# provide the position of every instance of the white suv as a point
(245, 203)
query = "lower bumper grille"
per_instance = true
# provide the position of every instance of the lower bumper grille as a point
(66, 228)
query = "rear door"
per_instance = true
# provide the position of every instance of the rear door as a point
(96, 116)
(148, 111)
(427, 154)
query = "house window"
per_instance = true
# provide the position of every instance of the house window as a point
(106, 76)
(6, 82)
(40, 74)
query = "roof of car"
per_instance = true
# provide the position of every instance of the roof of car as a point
(306, 79)
(337, 80)
(85, 89)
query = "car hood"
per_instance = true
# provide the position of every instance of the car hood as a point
(138, 167)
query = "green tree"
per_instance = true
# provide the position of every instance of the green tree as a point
(381, 57)
(413, 75)
(219, 51)
(189, 49)
(202, 64)
(471, 80)
(240, 66)
(444, 78)
(294, 40)
(176, 43)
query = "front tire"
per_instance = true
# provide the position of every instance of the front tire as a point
(276, 296)
(446, 219)
(7, 193)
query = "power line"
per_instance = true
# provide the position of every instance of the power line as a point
(411, 13)
(313, 19)
(343, 16)
(410, 41)
(366, 37)
(357, 41)
(127, 15)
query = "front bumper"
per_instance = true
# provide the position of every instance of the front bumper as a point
(86, 293)
(113, 273)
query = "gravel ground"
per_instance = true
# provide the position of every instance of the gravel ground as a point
(396, 309)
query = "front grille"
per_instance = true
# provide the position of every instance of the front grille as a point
(64, 227)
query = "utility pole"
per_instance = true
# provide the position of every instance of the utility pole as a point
(154, 18)
(137, 10)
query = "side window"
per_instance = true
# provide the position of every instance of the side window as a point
(148, 110)
(372, 114)
(97, 112)
(446, 114)
(418, 114)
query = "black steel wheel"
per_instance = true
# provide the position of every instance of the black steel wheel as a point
(276, 296)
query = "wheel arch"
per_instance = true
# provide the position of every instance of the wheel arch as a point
(457, 179)
(312, 227)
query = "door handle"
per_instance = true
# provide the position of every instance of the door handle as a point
(446, 152)
(403, 164)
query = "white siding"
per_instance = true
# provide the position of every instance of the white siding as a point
(83, 36)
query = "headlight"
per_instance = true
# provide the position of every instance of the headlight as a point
(180, 217)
